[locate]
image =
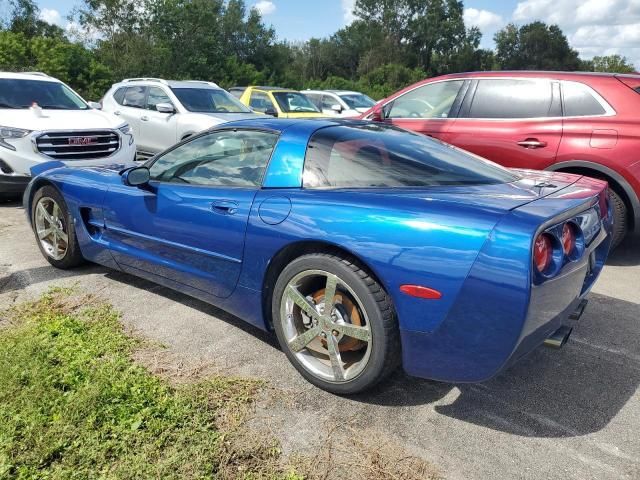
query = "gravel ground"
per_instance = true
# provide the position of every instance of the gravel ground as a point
(571, 414)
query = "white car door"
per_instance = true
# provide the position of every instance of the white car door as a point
(132, 108)
(159, 129)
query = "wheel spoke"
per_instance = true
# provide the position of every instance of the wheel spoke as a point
(44, 213)
(63, 236)
(55, 211)
(302, 302)
(44, 233)
(302, 340)
(334, 356)
(329, 294)
(360, 333)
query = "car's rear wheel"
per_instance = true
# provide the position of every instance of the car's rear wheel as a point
(54, 229)
(335, 323)
(620, 221)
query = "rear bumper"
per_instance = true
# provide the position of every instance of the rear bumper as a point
(499, 316)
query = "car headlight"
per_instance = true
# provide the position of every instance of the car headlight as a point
(9, 132)
(126, 129)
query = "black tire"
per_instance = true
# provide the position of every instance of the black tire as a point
(72, 257)
(620, 218)
(385, 352)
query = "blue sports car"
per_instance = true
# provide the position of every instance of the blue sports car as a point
(361, 245)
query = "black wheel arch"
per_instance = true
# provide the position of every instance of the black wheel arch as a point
(290, 252)
(616, 181)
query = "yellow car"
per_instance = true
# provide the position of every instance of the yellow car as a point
(277, 102)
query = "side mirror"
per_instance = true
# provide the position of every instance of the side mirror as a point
(136, 176)
(95, 105)
(376, 114)
(271, 111)
(165, 108)
(336, 108)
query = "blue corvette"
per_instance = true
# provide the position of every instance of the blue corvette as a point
(361, 245)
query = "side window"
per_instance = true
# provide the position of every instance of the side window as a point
(433, 100)
(156, 96)
(512, 98)
(118, 96)
(578, 101)
(328, 101)
(134, 97)
(224, 158)
(315, 99)
(260, 102)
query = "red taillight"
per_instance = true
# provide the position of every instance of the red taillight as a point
(542, 251)
(421, 292)
(568, 239)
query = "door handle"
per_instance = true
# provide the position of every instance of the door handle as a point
(144, 118)
(532, 143)
(117, 112)
(225, 207)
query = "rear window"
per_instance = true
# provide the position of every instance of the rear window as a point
(510, 98)
(374, 155)
(579, 101)
(118, 96)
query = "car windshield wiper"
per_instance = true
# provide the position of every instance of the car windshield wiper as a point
(59, 107)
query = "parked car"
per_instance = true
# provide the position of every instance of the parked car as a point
(278, 102)
(584, 123)
(340, 103)
(164, 112)
(361, 245)
(42, 119)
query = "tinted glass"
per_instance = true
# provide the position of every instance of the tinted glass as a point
(578, 101)
(119, 95)
(383, 156)
(18, 93)
(209, 100)
(328, 102)
(527, 98)
(260, 102)
(315, 99)
(294, 102)
(433, 100)
(357, 100)
(134, 97)
(156, 96)
(227, 158)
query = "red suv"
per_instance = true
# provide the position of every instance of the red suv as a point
(583, 123)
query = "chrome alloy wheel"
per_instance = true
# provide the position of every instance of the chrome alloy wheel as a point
(325, 326)
(51, 228)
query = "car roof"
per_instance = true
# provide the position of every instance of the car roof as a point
(335, 92)
(169, 83)
(29, 76)
(282, 124)
(530, 73)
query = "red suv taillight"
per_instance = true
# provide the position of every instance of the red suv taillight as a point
(542, 252)
(568, 238)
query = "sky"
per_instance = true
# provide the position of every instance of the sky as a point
(593, 27)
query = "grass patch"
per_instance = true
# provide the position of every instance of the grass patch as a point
(73, 404)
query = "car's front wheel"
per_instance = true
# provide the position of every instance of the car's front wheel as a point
(335, 323)
(54, 229)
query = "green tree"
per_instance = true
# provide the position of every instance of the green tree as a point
(609, 63)
(535, 46)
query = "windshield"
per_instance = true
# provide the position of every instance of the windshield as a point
(357, 100)
(20, 93)
(376, 155)
(294, 102)
(209, 100)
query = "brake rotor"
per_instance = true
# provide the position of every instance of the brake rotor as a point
(346, 344)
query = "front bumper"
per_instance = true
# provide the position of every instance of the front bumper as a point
(24, 157)
(10, 184)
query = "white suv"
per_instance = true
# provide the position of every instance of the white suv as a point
(164, 112)
(340, 103)
(42, 119)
